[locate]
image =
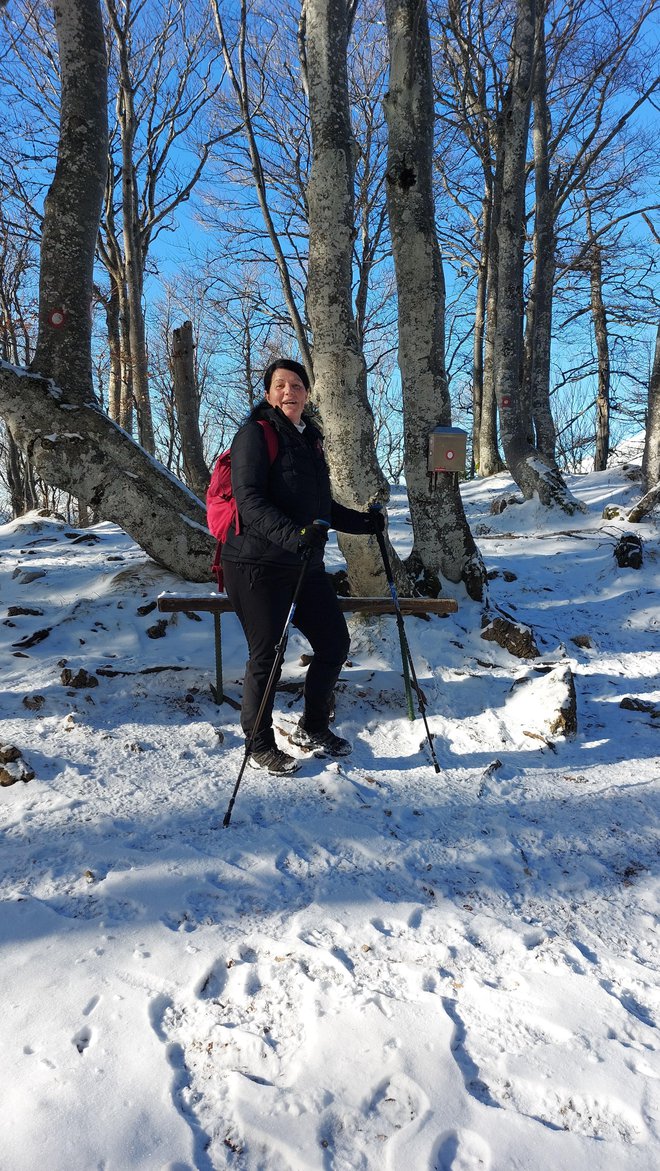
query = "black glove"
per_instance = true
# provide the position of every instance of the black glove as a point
(312, 537)
(375, 520)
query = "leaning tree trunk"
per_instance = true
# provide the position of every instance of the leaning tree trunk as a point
(51, 411)
(186, 399)
(443, 543)
(340, 380)
(534, 473)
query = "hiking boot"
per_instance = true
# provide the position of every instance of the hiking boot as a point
(274, 761)
(321, 743)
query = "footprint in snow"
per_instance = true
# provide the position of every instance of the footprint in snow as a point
(461, 1150)
(212, 983)
(82, 1039)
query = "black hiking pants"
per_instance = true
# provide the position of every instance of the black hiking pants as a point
(261, 597)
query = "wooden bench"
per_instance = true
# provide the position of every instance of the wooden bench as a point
(219, 604)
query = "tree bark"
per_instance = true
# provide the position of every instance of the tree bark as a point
(20, 479)
(599, 319)
(443, 543)
(534, 473)
(112, 312)
(651, 458)
(133, 252)
(543, 276)
(73, 205)
(479, 332)
(340, 381)
(490, 461)
(186, 398)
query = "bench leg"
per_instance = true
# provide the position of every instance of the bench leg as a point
(218, 690)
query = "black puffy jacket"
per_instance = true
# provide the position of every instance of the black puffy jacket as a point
(276, 500)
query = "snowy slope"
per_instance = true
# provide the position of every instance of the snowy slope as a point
(373, 966)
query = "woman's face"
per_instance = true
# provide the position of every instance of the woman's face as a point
(287, 391)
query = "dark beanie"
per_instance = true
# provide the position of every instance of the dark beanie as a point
(285, 364)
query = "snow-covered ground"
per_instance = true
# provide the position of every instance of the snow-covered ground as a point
(374, 967)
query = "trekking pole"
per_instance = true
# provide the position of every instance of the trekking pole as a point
(406, 657)
(279, 655)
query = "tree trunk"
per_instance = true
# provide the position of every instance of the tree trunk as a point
(73, 205)
(186, 398)
(20, 479)
(479, 332)
(111, 306)
(543, 276)
(651, 459)
(443, 543)
(76, 447)
(599, 319)
(490, 461)
(534, 473)
(126, 397)
(133, 264)
(340, 381)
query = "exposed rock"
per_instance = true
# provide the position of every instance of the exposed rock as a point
(499, 503)
(513, 637)
(564, 722)
(583, 641)
(507, 574)
(629, 551)
(633, 704)
(81, 679)
(25, 576)
(12, 766)
(34, 702)
(546, 703)
(32, 639)
(148, 608)
(613, 512)
(158, 630)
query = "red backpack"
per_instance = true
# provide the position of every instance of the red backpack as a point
(221, 509)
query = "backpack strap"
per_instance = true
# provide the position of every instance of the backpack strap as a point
(270, 435)
(216, 568)
(272, 445)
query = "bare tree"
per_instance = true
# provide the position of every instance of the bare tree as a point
(237, 71)
(16, 259)
(51, 410)
(651, 458)
(443, 542)
(163, 68)
(534, 472)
